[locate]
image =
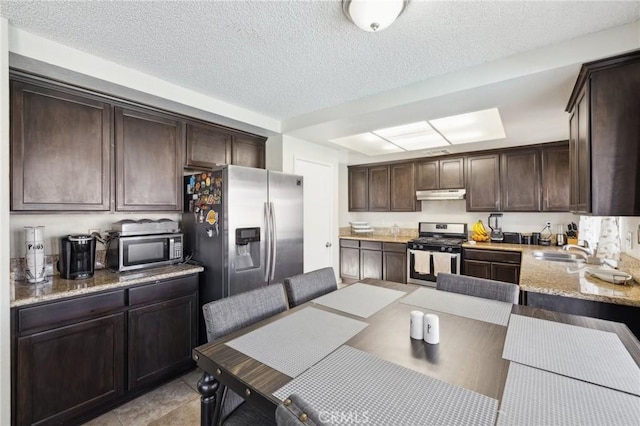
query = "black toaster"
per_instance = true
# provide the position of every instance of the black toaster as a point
(512, 237)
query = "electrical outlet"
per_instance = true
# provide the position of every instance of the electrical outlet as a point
(629, 240)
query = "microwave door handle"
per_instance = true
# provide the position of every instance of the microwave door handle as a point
(273, 241)
(267, 243)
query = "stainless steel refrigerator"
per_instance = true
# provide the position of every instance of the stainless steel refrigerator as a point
(245, 226)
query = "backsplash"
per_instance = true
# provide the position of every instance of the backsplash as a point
(60, 225)
(402, 232)
(454, 211)
(18, 265)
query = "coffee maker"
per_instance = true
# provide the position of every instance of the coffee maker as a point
(77, 257)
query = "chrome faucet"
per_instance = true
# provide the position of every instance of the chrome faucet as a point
(587, 252)
(586, 249)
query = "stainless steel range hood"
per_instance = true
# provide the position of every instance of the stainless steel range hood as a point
(441, 194)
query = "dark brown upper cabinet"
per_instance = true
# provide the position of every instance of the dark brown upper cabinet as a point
(403, 191)
(483, 183)
(446, 173)
(207, 146)
(556, 178)
(148, 161)
(605, 137)
(379, 189)
(248, 151)
(427, 175)
(60, 150)
(358, 189)
(520, 180)
(382, 188)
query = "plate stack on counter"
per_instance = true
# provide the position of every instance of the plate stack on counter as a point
(360, 228)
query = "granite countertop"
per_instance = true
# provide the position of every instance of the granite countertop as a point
(403, 239)
(23, 293)
(569, 279)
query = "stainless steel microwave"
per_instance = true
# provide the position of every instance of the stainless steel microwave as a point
(130, 253)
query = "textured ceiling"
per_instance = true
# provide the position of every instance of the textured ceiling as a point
(288, 58)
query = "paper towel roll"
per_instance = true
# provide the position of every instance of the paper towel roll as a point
(431, 329)
(417, 325)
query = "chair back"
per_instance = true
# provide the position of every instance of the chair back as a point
(304, 287)
(479, 287)
(227, 315)
(294, 411)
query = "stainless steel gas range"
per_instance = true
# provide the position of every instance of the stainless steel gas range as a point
(437, 249)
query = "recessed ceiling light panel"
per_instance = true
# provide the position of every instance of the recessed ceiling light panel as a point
(476, 126)
(413, 136)
(367, 143)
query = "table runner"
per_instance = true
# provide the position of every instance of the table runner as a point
(350, 382)
(359, 299)
(487, 310)
(294, 343)
(537, 397)
(592, 355)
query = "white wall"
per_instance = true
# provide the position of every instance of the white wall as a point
(293, 148)
(59, 225)
(5, 354)
(630, 224)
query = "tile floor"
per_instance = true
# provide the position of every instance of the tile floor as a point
(174, 403)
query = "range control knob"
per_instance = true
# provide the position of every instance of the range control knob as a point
(443, 248)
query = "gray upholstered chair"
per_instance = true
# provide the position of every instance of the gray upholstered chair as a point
(294, 411)
(304, 287)
(479, 287)
(228, 315)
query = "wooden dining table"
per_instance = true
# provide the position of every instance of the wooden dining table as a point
(469, 354)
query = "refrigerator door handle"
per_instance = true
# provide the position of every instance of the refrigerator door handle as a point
(267, 245)
(273, 241)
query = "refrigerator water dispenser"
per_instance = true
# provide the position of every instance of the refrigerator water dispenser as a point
(247, 248)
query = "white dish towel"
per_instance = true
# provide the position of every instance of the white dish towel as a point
(422, 262)
(441, 263)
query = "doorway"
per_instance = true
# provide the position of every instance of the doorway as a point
(318, 213)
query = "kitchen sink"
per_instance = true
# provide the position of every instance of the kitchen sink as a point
(557, 256)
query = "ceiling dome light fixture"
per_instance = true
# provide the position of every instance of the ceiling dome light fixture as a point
(373, 15)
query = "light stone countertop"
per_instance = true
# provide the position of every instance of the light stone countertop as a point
(23, 293)
(403, 239)
(569, 279)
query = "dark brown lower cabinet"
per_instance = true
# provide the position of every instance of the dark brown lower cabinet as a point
(492, 264)
(70, 370)
(349, 261)
(161, 336)
(394, 266)
(505, 272)
(70, 358)
(477, 268)
(360, 259)
(370, 264)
